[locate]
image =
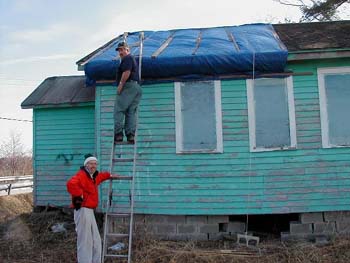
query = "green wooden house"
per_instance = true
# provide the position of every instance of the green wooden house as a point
(274, 143)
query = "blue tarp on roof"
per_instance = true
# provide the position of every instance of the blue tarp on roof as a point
(192, 53)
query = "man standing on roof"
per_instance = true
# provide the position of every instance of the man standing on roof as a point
(128, 95)
(83, 187)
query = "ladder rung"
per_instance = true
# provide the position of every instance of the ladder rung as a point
(116, 256)
(117, 235)
(120, 160)
(117, 177)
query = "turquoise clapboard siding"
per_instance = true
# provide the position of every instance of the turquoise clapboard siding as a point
(61, 138)
(236, 181)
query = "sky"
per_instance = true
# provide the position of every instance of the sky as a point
(45, 38)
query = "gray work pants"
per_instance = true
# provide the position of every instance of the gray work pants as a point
(89, 244)
(125, 108)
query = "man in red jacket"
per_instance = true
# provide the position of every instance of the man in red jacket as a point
(83, 187)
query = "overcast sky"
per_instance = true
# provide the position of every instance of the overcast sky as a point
(44, 38)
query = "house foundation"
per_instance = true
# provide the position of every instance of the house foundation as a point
(308, 227)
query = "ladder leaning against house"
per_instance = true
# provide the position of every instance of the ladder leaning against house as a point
(118, 250)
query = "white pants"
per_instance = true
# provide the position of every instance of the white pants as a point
(88, 238)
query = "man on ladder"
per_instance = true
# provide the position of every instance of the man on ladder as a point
(126, 106)
(128, 95)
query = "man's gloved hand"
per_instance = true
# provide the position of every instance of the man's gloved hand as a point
(77, 201)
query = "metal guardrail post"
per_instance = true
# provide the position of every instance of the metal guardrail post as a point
(9, 189)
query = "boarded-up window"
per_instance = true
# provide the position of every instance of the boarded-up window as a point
(198, 116)
(334, 87)
(271, 114)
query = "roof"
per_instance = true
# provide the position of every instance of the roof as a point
(315, 35)
(195, 53)
(60, 90)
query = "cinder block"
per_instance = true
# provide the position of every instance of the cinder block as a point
(209, 228)
(150, 229)
(299, 228)
(218, 219)
(288, 237)
(156, 218)
(325, 228)
(187, 229)
(343, 227)
(236, 227)
(176, 219)
(196, 219)
(337, 216)
(166, 229)
(306, 218)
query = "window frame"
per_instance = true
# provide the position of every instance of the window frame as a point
(251, 117)
(179, 126)
(321, 72)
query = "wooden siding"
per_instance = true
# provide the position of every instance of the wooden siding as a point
(237, 181)
(62, 136)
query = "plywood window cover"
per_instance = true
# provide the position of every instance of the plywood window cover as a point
(251, 118)
(321, 72)
(178, 119)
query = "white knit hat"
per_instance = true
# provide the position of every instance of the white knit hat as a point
(91, 158)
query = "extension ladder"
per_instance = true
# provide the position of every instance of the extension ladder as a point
(124, 214)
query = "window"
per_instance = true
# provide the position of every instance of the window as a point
(271, 114)
(334, 91)
(198, 117)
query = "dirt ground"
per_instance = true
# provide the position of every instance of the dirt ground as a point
(27, 237)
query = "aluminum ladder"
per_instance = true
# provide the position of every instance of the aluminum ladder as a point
(127, 214)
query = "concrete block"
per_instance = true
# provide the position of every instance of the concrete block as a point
(176, 219)
(187, 229)
(299, 228)
(325, 228)
(218, 219)
(196, 219)
(337, 216)
(343, 227)
(236, 227)
(209, 228)
(156, 219)
(306, 218)
(166, 229)
(288, 237)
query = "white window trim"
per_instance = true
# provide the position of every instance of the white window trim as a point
(251, 117)
(321, 72)
(178, 120)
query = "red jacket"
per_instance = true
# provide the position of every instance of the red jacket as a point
(81, 184)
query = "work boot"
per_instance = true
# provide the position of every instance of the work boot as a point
(118, 137)
(131, 138)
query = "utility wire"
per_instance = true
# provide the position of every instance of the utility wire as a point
(10, 119)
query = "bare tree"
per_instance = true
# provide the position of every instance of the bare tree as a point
(320, 10)
(14, 159)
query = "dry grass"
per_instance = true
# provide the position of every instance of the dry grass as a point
(151, 251)
(28, 238)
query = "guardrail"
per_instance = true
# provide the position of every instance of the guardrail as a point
(9, 183)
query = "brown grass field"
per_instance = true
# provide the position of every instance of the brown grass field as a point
(26, 237)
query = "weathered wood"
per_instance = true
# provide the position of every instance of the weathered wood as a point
(163, 46)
